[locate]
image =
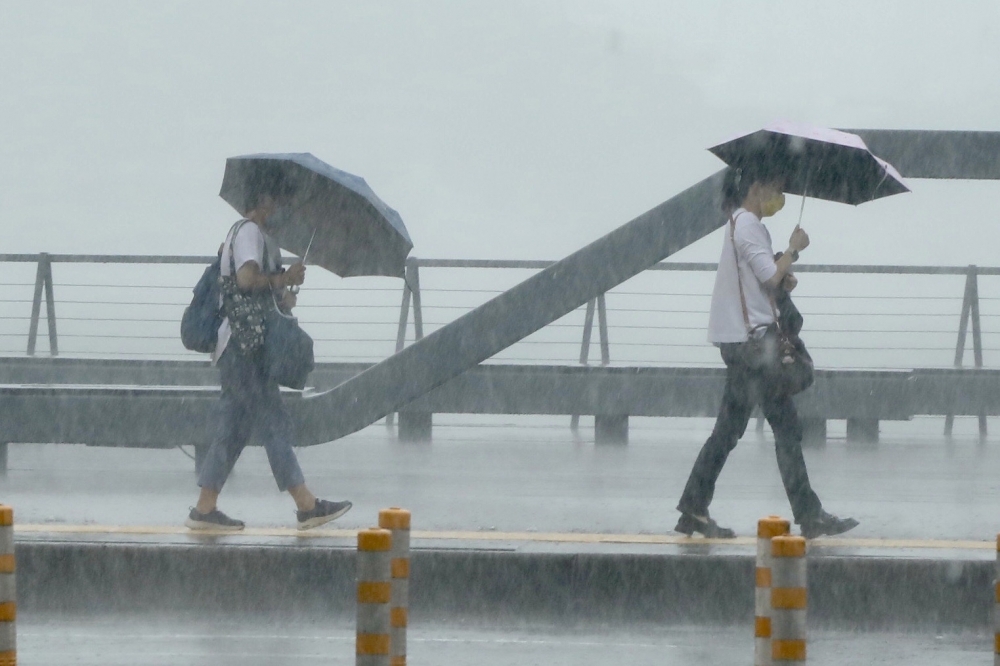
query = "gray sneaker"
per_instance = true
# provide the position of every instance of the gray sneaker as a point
(323, 512)
(213, 520)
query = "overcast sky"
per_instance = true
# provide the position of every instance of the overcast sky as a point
(513, 129)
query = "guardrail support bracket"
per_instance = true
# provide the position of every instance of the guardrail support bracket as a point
(611, 429)
(415, 426)
(814, 432)
(864, 431)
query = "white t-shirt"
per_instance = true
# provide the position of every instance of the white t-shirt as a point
(756, 266)
(247, 246)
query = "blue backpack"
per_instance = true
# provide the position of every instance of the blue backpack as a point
(202, 318)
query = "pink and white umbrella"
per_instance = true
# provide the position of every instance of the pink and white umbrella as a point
(816, 161)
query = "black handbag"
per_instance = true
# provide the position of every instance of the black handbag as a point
(288, 350)
(776, 350)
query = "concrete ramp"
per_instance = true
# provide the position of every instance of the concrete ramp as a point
(594, 270)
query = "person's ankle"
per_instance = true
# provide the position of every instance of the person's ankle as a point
(203, 510)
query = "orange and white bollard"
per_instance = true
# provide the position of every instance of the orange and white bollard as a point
(374, 595)
(996, 608)
(788, 600)
(397, 521)
(8, 591)
(767, 529)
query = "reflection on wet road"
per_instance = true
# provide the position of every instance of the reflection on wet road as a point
(116, 641)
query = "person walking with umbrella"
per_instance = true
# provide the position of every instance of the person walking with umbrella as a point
(252, 279)
(743, 308)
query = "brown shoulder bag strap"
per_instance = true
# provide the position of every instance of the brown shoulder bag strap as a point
(739, 281)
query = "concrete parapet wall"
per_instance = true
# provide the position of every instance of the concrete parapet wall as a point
(845, 592)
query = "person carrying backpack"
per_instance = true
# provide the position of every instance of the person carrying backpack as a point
(252, 281)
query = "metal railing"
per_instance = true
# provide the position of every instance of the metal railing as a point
(644, 323)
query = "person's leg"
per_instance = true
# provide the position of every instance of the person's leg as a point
(784, 419)
(233, 433)
(277, 433)
(273, 426)
(734, 415)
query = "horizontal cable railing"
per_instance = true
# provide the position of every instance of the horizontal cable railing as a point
(858, 317)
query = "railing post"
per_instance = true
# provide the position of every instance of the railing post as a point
(588, 329)
(977, 337)
(415, 426)
(50, 308)
(602, 324)
(36, 304)
(970, 310)
(413, 277)
(404, 318)
(43, 281)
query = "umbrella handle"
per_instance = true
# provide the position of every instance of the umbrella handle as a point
(295, 289)
(885, 174)
(805, 193)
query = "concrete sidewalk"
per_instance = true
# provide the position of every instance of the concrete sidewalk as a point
(513, 523)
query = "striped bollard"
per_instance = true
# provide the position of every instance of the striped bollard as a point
(788, 600)
(767, 528)
(397, 521)
(8, 592)
(996, 609)
(374, 594)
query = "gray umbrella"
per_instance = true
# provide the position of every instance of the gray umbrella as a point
(346, 227)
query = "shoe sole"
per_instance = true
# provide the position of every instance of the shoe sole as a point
(200, 525)
(689, 531)
(823, 534)
(323, 520)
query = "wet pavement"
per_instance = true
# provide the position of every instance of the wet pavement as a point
(533, 487)
(532, 475)
(49, 640)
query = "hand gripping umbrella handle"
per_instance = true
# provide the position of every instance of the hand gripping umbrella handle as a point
(295, 289)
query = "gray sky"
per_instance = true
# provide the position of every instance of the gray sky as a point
(516, 129)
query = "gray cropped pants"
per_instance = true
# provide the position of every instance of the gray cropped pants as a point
(250, 404)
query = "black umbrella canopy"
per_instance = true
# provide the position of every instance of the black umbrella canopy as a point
(817, 162)
(352, 231)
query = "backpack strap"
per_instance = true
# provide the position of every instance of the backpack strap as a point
(232, 240)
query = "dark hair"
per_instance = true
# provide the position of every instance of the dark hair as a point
(739, 177)
(267, 179)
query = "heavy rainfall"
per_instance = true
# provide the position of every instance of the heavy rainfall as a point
(555, 332)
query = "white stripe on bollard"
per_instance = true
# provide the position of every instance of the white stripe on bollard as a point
(397, 521)
(767, 528)
(788, 600)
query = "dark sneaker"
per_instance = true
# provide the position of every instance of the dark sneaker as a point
(213, 520)
(689, 524)
(323, 512)
(826, 524)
